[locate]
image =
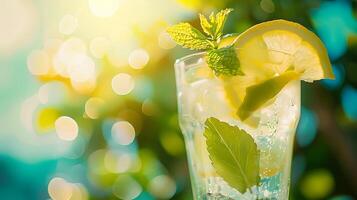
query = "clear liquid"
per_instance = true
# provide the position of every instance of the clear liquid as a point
(203, 96)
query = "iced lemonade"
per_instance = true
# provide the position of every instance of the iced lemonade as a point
(239, 104)
(202, 95)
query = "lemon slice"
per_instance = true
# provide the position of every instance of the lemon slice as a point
(271, 54)
(277, 45)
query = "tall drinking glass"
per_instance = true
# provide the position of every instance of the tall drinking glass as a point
(201, 95)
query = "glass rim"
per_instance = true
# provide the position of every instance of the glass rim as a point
(192, 55)
(202, 53)
(189, 56)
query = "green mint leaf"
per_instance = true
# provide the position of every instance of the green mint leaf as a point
(224, 61)
(206, 25)
(214, 27)
(257, 95)
(233, 153)
(220, 20)
(187, 36)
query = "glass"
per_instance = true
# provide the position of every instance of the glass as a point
(201, 95)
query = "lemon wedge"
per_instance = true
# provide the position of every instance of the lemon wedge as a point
(271, 54)
(258, 94)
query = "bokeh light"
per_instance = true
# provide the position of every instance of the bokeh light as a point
(84, 87)
(59, 189)
(123, 132)
(81, 69)
(138, 58)
(66, 128)
(79, 192)
(267, 5)
(67, 55)
(123, 84)
(162, 187)
(172, 143)
(111, 162)
(133, 117)
(126, 187)
(317, 184)
(93, 106)
(117, 162)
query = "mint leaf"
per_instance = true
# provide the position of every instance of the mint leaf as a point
(206, 25)
(187, 36)
(233, 153)
(224, 61)
(214, 27)
(220, 20)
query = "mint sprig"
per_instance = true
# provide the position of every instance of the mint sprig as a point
(222, 60)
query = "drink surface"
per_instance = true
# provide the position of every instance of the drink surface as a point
(202, 95)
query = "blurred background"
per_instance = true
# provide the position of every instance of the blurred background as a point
(107, 128)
